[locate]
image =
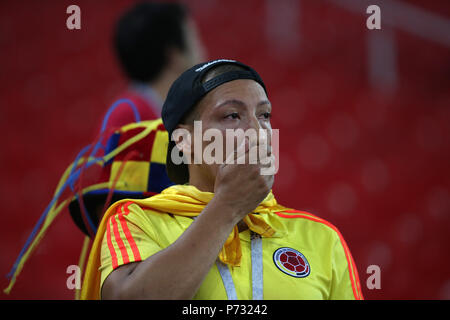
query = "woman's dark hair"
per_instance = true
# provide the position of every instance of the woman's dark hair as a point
(144, 35)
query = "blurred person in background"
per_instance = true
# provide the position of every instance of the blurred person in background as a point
(154, 44)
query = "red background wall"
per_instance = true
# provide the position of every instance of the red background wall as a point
(374, 163)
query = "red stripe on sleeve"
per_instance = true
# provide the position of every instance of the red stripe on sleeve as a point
(352, 269)
(355, 270)
(300, 212)
(126, 230)
(110, 246)
(119, 240)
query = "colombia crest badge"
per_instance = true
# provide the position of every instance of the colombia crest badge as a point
(291, 262)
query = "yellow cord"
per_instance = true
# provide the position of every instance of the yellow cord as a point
(81, 262)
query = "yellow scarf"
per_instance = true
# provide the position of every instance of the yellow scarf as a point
(185, 201)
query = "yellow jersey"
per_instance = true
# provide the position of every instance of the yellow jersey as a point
(307, 257)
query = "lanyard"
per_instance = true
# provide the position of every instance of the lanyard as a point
(257, 271)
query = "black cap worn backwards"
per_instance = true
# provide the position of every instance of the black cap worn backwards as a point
(186, 92)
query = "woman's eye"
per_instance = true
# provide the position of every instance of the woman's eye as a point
(233, 115)
(267, 115)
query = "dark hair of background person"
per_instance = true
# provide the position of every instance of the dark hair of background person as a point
(145, 34)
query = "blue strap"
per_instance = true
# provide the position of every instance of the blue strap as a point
(137, 117)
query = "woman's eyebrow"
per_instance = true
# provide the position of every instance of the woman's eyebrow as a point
(240, 103)
(264, 102)
(231, 101)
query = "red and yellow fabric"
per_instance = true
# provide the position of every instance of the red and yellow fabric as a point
(132, 164)
(147, 143)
